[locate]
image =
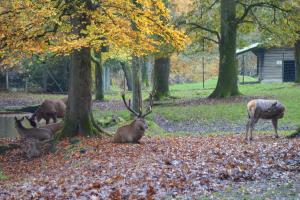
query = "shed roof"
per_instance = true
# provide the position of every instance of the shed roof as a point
(248, 48)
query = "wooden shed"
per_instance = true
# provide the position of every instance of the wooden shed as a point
(274, 64)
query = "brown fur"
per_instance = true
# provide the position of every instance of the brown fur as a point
(131, 133)
(50, 109)
(35, 133)
(52, 127)
(270, 109)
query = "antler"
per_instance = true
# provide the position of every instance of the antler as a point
(128, 106)
(149, 109)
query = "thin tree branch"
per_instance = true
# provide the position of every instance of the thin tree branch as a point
(195, 25)
(250, 7)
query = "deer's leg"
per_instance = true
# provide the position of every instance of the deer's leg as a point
(47, 120)
(254, 120)
(247, 128)
(275, 123)
(54, 118)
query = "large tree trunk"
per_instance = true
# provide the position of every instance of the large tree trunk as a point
(128, 75)
(136, 84)
(78, 119)
(161, 77)
(96, 58)
(297, 58)
(228, 80)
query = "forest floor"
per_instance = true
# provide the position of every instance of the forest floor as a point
(194, 148)
(187, 167)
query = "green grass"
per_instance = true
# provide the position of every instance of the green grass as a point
(287, 93)
(2, 176)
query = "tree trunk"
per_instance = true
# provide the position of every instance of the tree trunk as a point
(78, 119)
(128, 75)
(2, 81)
(45, 80)
(96, 58)
(228, 80)
(161, 77)
(297, 58)
(106, 81)
(145, 78)
(136, 84)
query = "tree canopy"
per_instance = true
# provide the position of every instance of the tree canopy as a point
(38, 26)
(274, 22)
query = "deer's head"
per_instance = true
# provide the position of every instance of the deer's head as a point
(139, 121)
(31, 121)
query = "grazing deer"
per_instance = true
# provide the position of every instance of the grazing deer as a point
(49, 109)
(133, 132)
(263, 109)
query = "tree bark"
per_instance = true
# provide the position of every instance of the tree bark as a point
(145, 78)
(161, 77)
(297, 58)
(128, 75)
(96, 58)
(106, 81)
(45, 80)
(2, 81)
(227, 84)
(136, 84)
(78, 119)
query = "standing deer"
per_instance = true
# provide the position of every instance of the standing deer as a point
(134, 131)
(263, 109)
(50, 109)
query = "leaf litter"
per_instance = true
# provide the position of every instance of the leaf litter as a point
(158, 168)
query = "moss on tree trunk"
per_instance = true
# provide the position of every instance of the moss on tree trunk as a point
(78, 119)
(297, 58)
(227, 84)
(161, 77)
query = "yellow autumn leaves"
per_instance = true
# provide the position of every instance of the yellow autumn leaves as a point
(41, 26)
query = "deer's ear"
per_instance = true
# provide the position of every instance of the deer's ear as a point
(16, 118)
(274, 104)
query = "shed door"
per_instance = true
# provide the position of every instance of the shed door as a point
(289, 71)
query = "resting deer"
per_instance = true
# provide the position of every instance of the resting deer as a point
(50, 109)
(33, 139)
(263, 109)
(133, 132)
(52, 127)
(36, 133)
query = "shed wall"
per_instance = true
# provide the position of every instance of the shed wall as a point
(273, 61)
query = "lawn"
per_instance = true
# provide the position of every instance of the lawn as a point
(189, 104)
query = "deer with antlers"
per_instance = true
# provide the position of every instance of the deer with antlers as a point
(133, 132)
